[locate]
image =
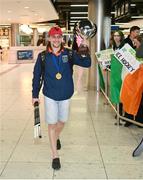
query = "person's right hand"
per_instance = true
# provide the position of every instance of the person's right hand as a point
(35, 100)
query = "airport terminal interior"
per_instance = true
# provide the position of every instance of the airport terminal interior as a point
(96, 142)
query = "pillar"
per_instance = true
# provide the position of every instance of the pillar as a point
(35, 36)
(15, 37)
(98, 12)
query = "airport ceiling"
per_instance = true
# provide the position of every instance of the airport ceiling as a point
(57, 11)
(26, 11)
(70, 9)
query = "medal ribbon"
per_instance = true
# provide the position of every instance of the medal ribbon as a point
(57, 62)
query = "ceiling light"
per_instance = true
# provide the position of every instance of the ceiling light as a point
(26, 7)
(73, 20)
(121, 23)
(78, 17)
(41, 30)
(126, 30)
(79, 5)
(9, 11)
(78, 12)
(113, 12)
(26, 29)
(137, 17)
(133, 5)
(114, 25)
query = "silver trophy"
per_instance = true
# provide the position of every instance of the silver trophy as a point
(83, 29)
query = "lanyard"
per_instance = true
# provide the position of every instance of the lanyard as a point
(57, 62)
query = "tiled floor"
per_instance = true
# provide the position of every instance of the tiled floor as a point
(92, 146)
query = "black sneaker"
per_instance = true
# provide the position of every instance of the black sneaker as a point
(56, 165)
(58, 144)
(139, 149)
(127, 124)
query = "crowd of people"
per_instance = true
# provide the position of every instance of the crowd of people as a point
(135, 40)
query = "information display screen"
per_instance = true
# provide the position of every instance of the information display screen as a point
(25, 55)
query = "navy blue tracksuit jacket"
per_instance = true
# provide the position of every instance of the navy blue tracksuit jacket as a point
(53, 88)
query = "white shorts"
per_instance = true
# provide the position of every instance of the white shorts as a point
(56, 110)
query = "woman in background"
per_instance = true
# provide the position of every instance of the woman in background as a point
(117, 39)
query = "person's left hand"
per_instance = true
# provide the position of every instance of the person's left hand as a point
(83, 50)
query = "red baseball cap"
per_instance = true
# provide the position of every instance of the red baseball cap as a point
(55, 30)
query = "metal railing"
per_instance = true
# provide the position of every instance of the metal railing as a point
(106, 77)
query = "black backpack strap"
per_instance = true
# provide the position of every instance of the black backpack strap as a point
(70, 56)
(70, 53)
(43, 57)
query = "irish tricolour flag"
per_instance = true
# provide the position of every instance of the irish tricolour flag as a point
(126, 79)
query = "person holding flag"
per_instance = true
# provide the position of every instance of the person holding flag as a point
(117, 71)
(131, 40)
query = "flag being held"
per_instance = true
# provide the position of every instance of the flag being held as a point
(126, 82)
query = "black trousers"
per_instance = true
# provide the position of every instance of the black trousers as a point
(139, 116)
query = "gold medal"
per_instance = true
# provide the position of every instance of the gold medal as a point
(58, 76)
